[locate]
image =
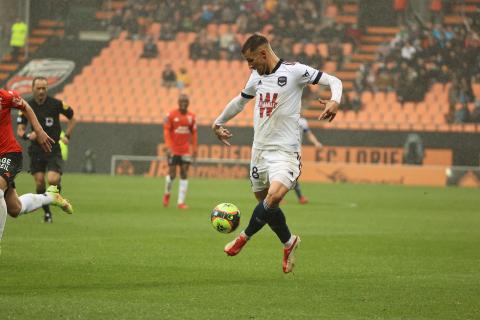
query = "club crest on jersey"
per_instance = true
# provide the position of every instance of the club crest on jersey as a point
(49, 121)
(282, 81)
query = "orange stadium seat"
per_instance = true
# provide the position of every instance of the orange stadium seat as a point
(100, 90)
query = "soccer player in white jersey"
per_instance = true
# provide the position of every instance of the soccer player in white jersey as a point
(275, 164)
(305, 129)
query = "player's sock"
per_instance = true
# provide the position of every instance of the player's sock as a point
(3, 213)
(290, 241)
(31, 202)
(298, 191)
(46, 208)
(278, 224)
(258, 219)
(182, 190)
(168, 184)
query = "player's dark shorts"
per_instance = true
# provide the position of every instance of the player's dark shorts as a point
(10, 166)
(45, 161)
(179, 160)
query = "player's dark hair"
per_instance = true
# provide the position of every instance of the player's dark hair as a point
(253, 42)
(38, 78)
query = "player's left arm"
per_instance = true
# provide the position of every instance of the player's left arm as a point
(311, 137)
(194, 131)
(67, 111)
(38, 133)
(332, 105)
(309, 75)
(10, 99)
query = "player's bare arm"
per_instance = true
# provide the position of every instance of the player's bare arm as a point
(311, 137)
(234, 107)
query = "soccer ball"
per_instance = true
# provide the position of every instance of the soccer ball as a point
(225, 217)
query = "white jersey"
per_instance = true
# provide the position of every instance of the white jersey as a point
(278, 102)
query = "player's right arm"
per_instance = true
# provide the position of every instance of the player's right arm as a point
(308, 75)
(234, 107)
(10, 99)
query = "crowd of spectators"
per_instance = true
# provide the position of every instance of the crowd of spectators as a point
(171, 78)
(422, 54)
(289, 21)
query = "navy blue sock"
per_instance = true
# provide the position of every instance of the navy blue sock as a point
(298, 191)
(46, 208)
(278, 223)
(258, 219)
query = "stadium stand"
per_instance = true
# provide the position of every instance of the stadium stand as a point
(119, 86)
(39, 35)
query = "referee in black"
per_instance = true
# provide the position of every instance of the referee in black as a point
(47, 110)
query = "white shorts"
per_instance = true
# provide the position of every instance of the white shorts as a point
(267, 166)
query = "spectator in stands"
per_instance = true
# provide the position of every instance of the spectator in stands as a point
(384, 78)
(207, 15)
(462, 115)
(183, 78)
(353, 36)
(116, 24)
(167, 33)
(400, 8)
(453, 94)
(408, 51)
(328, 32)
(436, 11)
(371, 80)
(317, 60)
(227, 14)
(351, 101)
(187, 24)
(242, 23)
(302, 55)
(361, 78)
(195, 49)
(413, 152)
(226, 43)
(169, 77)
(130, 24)
(475, 116)
(335, 52)
(150, 49)
(18, 39)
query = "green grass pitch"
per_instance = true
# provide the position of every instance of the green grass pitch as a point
(367, 252)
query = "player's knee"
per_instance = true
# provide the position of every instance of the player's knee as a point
(14, 209)
(53, 182)
(273, 199)
(40, 188)
(183, 175)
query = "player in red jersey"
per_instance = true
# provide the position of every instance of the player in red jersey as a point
(180, 133)
(11, 163)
